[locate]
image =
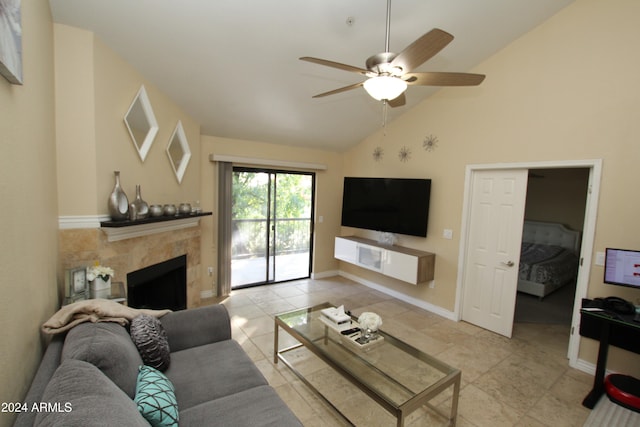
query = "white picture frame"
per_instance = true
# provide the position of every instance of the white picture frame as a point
(11, 41)
(141, 123)
(178, 151)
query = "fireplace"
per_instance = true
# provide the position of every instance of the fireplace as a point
(159, 286)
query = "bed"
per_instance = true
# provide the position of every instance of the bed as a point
(549, 257)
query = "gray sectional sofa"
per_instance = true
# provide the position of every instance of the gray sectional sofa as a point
(88, 377)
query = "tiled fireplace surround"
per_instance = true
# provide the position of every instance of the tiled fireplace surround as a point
(83, 247)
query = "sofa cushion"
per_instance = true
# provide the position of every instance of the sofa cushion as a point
(107, 346)
(150, 339)
(211, 371)
(83, 396)
(258, 406)
(155, 398)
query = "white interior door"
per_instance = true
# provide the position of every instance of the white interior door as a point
(496, 217)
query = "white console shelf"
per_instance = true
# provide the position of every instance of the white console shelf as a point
(406, 264)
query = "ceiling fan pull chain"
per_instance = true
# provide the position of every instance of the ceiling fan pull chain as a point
(385, 103)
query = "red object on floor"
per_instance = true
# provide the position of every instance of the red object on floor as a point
(623, 390)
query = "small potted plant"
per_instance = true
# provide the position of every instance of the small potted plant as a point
(99, 278)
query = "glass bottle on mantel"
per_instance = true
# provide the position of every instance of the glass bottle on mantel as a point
(142, 207)
(118, 202)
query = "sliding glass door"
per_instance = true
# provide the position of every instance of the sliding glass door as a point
(271, 226)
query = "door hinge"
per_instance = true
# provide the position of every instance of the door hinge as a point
(581, 261)
(573, 328)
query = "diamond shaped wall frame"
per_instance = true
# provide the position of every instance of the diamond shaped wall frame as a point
(141, 123)
(178, 151)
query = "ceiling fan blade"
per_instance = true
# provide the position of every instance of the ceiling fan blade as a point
(443, 79)
(333, 64)
(342, 89)
(398, 101)
(424, 48)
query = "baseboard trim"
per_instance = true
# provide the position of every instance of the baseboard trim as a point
(402, 297)
(325, 274)
(207, 294)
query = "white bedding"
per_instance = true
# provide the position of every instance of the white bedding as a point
(549, 257)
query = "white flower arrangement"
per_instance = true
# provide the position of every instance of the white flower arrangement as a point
(370, 321)
(99, 271)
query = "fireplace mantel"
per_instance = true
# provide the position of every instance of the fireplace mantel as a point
(121, 230)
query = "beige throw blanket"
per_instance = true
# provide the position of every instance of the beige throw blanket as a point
(94, 310)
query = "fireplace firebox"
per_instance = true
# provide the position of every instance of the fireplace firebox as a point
(159, 286)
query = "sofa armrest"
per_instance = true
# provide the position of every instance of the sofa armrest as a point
(48, 365)
(197, 326)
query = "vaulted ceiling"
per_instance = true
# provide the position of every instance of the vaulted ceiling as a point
(233, 64)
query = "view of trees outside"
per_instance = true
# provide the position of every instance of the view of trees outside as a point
(258, 194)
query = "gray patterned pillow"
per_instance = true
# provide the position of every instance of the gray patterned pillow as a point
(151, 340)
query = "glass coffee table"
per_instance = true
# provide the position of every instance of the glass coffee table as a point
(396, 375)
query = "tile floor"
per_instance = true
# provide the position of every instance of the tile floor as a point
(524, 381)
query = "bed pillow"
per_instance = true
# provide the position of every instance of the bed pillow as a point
(151, 341)
(155, 398)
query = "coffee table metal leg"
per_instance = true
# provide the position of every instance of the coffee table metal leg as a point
(454, 401)
(275, 342)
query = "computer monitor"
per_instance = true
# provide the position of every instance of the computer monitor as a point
(622, 267)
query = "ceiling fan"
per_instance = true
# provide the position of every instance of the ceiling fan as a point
(389, 74)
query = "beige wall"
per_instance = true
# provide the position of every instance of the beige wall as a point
(28, 254)
(568, 90)
(96, 87)
(558, 195)
(328, 195)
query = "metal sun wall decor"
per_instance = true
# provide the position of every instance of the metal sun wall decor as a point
(404, 154)
(378, 152)
(430, 143)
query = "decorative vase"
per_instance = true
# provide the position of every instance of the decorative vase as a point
(169, 210)
(142, 207)
(100, 288)
(118, 202)
(155, 210)
(184, 208)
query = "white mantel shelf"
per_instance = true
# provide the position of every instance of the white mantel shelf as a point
(121, 230)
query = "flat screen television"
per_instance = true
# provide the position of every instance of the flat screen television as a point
(622, 267)
(396, 205)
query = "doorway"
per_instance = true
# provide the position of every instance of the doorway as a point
(590, 212)
(554, 196)
(271, 220)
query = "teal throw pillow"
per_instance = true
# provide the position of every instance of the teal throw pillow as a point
(156, 398)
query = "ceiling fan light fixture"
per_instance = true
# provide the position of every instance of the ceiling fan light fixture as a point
(385, 87)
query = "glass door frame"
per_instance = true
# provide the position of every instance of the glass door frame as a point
(272, 220)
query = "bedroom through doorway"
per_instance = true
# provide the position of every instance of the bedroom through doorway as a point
(557, 196)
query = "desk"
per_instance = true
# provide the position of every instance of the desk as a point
(617, 330)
